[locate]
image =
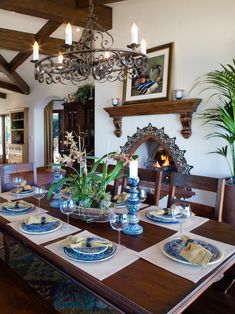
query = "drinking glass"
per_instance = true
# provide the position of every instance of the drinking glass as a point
(119, 221)
(38, 193)
(17, 180)
(67, 207)
(142, 194)
(181, 212)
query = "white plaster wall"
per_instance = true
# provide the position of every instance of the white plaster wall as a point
(203, 33)
(39, 97)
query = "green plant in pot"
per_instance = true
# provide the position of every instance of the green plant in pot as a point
(89, 186)
(222, 117)
(84, 93)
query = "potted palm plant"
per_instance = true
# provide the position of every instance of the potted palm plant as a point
(222, 117)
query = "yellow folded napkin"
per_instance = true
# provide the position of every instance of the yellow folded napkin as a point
(163, 211)
(23, 183)
(122, 197)
(76, 241)
(16, 204)
(195, 253)
(38, 219)
(23, 187)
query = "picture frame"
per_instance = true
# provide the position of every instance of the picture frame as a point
(155, 83)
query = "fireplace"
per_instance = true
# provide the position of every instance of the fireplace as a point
(157, 150)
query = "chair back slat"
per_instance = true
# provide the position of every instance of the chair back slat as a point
(27, 170)
(203, 183)
(152, 179)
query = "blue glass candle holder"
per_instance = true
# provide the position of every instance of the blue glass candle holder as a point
(133, 205)
(57, 198)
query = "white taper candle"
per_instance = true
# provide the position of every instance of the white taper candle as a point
(143, 46)
(133, 169)
(134, 34)
(35, 51)
(68, 34)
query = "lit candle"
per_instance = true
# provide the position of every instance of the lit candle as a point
(68, 34)
(143, 46)
(60, 58)
(134, 34)
(35, 51)
(133, 169)
(106, 55)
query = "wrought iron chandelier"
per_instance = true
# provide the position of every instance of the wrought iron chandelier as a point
(91, 57)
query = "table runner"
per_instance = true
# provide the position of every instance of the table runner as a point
(188, 225)
(43, 238)
(100, 270)
(193, 273)
(35, 211)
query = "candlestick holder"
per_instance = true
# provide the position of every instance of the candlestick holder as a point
(133, 205)
(58, 175)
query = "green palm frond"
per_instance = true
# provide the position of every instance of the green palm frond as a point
(222, 117)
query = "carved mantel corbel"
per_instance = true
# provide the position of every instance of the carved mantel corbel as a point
(186, 120)
(117, 121)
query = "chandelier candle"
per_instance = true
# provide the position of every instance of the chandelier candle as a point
(68, 34)
(143, 46)
(134, 34)
(35, 51)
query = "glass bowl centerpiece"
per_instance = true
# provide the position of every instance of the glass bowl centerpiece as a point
(88, 177)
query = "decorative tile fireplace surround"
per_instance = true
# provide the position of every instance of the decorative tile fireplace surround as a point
(159, 144)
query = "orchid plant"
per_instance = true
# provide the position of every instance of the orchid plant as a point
(89, 186)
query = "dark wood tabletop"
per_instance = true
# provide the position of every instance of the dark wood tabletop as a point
(140, 287)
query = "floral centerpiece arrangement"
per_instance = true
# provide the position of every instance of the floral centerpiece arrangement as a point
(89, 184)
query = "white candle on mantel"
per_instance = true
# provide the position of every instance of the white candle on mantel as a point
(60, 58)
(35, 51)
(133, 169)
(68, 34)
(143, 46)
(134, 34)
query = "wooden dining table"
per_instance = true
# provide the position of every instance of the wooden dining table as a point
(140, 287)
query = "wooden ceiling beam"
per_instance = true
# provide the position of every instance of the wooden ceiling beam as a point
(41, 36)
(84, 3)
(14, 76)
(56, 11)
(3, 95)
(10, 87)
(23, 42)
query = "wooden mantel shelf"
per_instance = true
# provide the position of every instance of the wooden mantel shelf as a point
(184, 107)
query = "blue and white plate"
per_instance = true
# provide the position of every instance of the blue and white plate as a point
(172, 250)
(91, 258)
(17, 206)
(23, 192)
(162, 218)
(13, 212)
(88, 249)
(41, 228)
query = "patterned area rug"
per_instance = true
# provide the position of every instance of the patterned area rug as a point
(66, 296)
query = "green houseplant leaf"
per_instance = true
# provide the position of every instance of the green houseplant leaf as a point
(222, 117)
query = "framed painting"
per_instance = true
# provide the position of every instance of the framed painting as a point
(155, 83)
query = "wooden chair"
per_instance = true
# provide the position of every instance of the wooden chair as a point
(27, 170)
(152, 180)
(189, 182)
